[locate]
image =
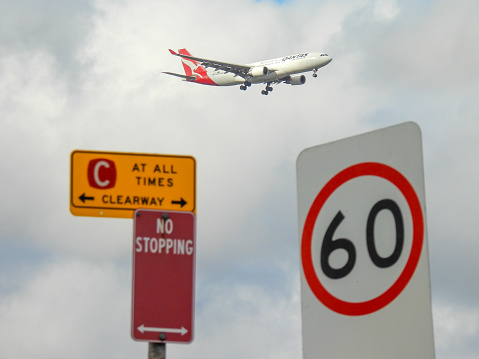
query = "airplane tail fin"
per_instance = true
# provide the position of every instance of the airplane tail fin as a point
(194, 71)
(190, 66)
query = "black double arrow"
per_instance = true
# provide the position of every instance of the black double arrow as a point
(85, 198)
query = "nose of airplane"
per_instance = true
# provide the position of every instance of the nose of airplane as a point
(329, 60)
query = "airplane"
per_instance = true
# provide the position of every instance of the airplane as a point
(217, 73)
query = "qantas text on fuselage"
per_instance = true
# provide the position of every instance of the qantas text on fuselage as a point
(286, 69)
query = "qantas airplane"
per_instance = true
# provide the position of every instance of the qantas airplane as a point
(217, 73)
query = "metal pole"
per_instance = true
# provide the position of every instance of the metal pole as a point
(156, 350)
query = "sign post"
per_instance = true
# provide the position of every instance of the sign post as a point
(365, 283)
(115, 184)
(163, 276)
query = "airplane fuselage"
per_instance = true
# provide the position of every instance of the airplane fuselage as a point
(278, 68)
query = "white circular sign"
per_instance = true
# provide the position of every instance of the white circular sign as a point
(362, 239)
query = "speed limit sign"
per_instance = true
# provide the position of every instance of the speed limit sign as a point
(365, 283)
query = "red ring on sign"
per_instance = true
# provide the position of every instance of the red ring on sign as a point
(373, 305)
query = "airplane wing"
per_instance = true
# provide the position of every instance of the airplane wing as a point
(240, 70)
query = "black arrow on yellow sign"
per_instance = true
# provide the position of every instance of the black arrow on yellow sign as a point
(182, 202)
(84, 198)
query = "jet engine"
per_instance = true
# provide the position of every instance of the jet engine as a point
(258, 71)
(297, 80)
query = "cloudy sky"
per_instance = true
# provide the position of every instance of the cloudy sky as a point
(87, 75)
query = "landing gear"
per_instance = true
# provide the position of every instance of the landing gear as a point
(314, 73)
(267, 90)
(245, 86)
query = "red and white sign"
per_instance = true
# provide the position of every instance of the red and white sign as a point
(399, 182)
(163, 276)
(364, 263)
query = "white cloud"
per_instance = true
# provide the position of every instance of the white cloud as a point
(77, 308)
(430, 49)
(385, 10)
(456, 331)
(238, 320)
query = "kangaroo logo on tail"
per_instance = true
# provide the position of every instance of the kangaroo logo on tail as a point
(193, 69)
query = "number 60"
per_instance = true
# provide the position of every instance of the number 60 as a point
(329, 245)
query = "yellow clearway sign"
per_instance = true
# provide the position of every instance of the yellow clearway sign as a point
(115, 184)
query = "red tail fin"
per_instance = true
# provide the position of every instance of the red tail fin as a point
(184, 52)
(194, 68)
(191, 67)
